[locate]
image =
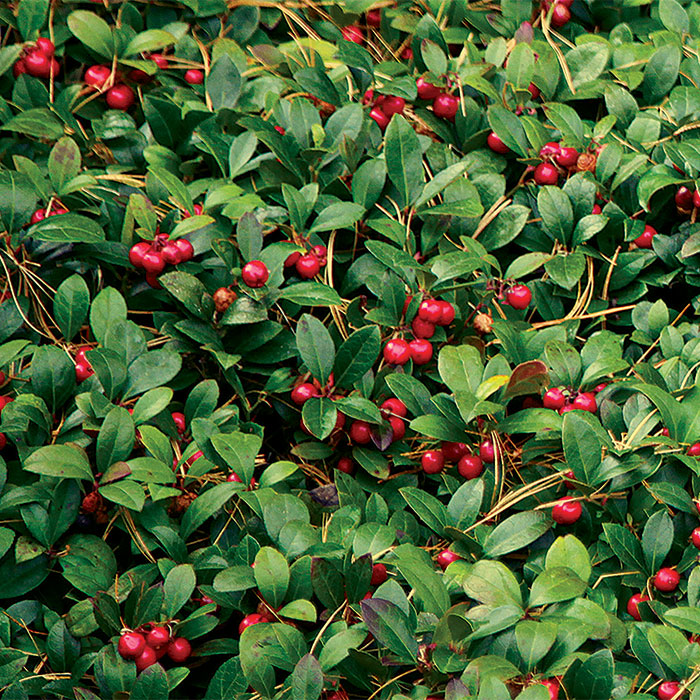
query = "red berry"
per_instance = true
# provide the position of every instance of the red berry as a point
(421, 328)
(645, 239)
(567, 157)
(560, 15)
(152, 261)
(668, 690)
(158, 636)
(4, 400)
(695, 537)
(546, 174)
(666, 579)
(665, 432)
(633, 605)
(18, 68)
(255, 274)
(138, 76)
(249, 620)
(519, 296)
(554, 398)
(171, 253)
(137, 251)
(353, 33)
(160, 60)
(445, 106)
(360, 432)
(321, 252)
(291, 259)
(179, 650)
(552, 686)
(487, 452)
(379, 574)
(549, 150)
(599, 387)
(379, 117)
(131, 645)
(454, 451)
(38, 64)
(393, 105)
(394, 406)
(96, 76)
(406, 54)
(447, 313)
(374, 18)
(426, 90)
(233, 478)
(446, 557)
(307, 266)
(585, 402)
(430, 310)
(193, 76)
(120, 97)
(82, 372)
(596, 209)
(179, 420)
(147, 658)
(694, 449)
(397, 352)
(46, 46)
(432, 461)
(398, 428)
(696, 199)
(421, 351)
(346, 465)
(185, 247)
(301, 393)
(470, 467)
(566, 512)
(533, 90)
(495, 143)
(3, 441)
(37, 216)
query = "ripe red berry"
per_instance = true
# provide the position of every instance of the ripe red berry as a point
(179, 650)
(379, 117)
(519, 296)
(307, 266)
(3, 441)
(560, 15)
(301, 393)
(668, 690)
(445, 106)
(398, 428)
(147, 658)
(554, 398)
(566, 512)
(82, 371)
(360, 432)
(447, 313)
(179, 420)
(432, 461)
(694, 450)
(18, 68)
(549, 150)
(193, 76)
(171, 254)
(185, 247)
(131, 645)
(157, 637)
(645, 239)
(695, 537)
(321, 252)
(633, 605)
(4, 400)
(487, 452)
(552, 686)
(426, 90)
(585, 402)
(446, 557)
(454, 451)
(249, 620)
(421, 328)
(393, 105)
(152, 262)
(96, 76)
(421, 351)
(346, 465)
(567, 157)
(666, 579)
(533, 90)
(46, 46)
(160, 60)
(255, 274)
(233, 478)
(495, 143)
(470, 467)
(374, 18)
(291, 259)
(394, 406)
(406, 54)
(599, 387)
(137, 251)
(546, 174)
(38, 64)
(397, 352)
(379, 574)
(353, 33)
(696, 199)
(120, 97)
(596, 209)
(430, 310)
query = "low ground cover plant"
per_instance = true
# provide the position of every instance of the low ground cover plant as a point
(349, 350)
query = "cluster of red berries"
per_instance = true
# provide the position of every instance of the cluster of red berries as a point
(147, 647)
(563, 399)
(83, 368)
(153, 256)
(54, 209)
(38, 60)
(4, 400)
(687, 199)
(255, 274)
(384, 107)
(431, 313)
(469, 466)
(561, 13)
(119, 96)
(445, 104)
(308, 265)
(398, 351)
(553, 154)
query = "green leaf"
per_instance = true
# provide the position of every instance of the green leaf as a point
(67, 228)
(271, 575)
(508, 127)
(150, 370)
(89, 564)
(309, 294)
(595, 677)
(150, 683)
(505, 228)
(582, 447)
(70, 305)
(190, 292)
(239, 450)
(431, 511)
(151, 404)
(92, 31)
(389, 626)
(307, 679)
(516, 532)
(534, 640)
(116, 438)
(403, 160)
(31, 16)
(61, 461)
(338, 215)
(223, 83)
(587, 61)
(205, 505)
(178, 587)
(521, 66)
(319, 415)
(150, 40)
(570, 552)
(492, 583)
(125, 493)
(625, 546)
(661, 71)
(556, 585)
(356, 356)
(316, 347)
(235, 578)
(657, 539)
(53, 376)
(107, 309)
(38, 122)
(556, 212)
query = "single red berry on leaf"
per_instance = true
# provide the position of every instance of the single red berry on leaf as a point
(193, 76)
(158, 636)
(171, 254)
(695, 537)
(360, 432)
(495, 143)
(447, 313)
(566, 512)
(120, 97)
(160, 60)
(430, 310)
(233, 478)
(185, 247)
(137, 251)
(46, 46)
(421, 351)
(596, 209)
(546, 174)
(398, 428)
(307, 266)
(179, 420)
(82, 371)
(432, 461)
(131, 645)
(379, 574)
(470, 467)
(397, 352)
(554, 398)
(152, 262)
(666, 579)
(684, 198)
(567, 157)
(446, 557)
(696, 199)
(96, 76)
(426, 90)
(249, 620)
(533, 90)
(519, 296)
(394, 406)
(301, 393)
(179, 650)
(254, 274)
(668, 690)
(3, 441)
(445, 106)
(147, 658)
(633, 605)
(645, 239)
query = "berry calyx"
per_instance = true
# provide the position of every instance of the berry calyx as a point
(432, 461)
(360, 432)
(194, 76)
(519, 296)
(554, 398)
(549, 150)
(421, 351)
(445, 106)
(307, 266)
(397, 352)
(666, 579)
(379, 574)
(495, 143)
(120, 97)
(158, 636)
(633, 605)
(426, 90)
(546, 174)
(645, 239)
(470, 467)
(446, 557)
(254, 274)
(179, 650)
(566, 512)
(250, 620)
(301, 393)
(131, 645)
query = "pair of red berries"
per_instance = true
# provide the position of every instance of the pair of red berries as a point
(38, 61)
(519, 296)
(153, 256)
(562, 401)
(398, 351)
(146, 649)
(445, 104)
(561, 14)
(83, 368)
(193, 76)
(384, 107)
(564, 156)
(566, 512)
(469, 466)
(250, 620)
(255, 274)
(54, 209)
(308, 265)
(360, 433)
(687, 199)
(119, 96)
